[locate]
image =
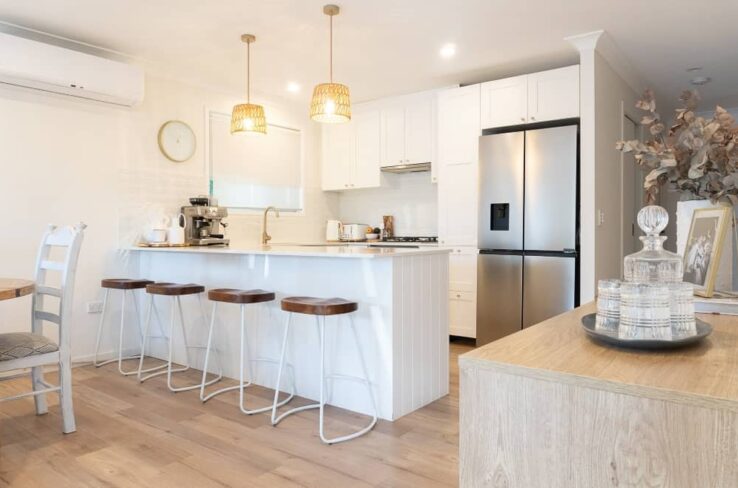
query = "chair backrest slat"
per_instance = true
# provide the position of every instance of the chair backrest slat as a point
(53, 265)
(49, 290)
(47, 316)
(70, 238)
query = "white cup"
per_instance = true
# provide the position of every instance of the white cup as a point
(156, 236)
(176, 235)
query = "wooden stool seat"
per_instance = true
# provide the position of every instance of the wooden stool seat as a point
(318, 306)
(174, 289)
(124, 283)
(231, 295)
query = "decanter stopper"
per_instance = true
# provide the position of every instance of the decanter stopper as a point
(652, 219)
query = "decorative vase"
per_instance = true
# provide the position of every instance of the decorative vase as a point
(727, 276)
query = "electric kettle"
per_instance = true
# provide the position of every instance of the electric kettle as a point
(333, 230)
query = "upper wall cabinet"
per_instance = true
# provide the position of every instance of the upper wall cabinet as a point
(408, 130)
(553, 94)
(538, 97)
(351, 152)
(458, 125)
(505, 102)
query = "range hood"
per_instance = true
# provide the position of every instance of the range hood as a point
(407, 168)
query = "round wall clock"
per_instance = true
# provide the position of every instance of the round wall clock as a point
(176, 141)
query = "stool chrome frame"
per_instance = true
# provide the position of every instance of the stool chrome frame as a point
(160, 369)
(320, 323)
(96, 362)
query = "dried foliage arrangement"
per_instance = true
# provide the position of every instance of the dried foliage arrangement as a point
(696, 156)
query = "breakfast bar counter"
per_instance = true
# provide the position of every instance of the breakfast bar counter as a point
(402, 318)
(547, 406)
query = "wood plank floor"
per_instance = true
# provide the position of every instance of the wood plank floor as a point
(145, 436)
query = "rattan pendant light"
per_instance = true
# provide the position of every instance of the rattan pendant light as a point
(331, 102)
(247, 117)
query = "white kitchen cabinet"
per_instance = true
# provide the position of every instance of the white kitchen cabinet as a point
(553, 94)
(351, 152)
(457, 204)
(368, 145)
(537, 97)
(504, 102)
(419, 134)
(393, 135)
(458, 121)
(408, 130)
(338, 156)
(463, 292)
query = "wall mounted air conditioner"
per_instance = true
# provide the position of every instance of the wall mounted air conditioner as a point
(33, 64)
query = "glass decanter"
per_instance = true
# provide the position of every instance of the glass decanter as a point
(653, 263)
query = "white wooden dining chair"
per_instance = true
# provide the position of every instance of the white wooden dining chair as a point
(23, 350)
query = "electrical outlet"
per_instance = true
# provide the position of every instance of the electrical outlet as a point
(94, 307)
(600, 217)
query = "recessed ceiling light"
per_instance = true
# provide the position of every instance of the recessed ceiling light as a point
(701, 80)
(293, 87)
(448, 50)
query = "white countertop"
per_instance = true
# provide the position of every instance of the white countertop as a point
(337, 250)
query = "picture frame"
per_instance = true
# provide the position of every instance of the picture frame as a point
(704, 246)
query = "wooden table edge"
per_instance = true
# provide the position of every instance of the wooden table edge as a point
(22, 288)
(631, 389)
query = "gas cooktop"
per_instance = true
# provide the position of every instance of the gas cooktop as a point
(420, 239)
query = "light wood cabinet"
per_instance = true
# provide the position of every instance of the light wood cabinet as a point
(351, 152)
(537, 97)
(408, 130)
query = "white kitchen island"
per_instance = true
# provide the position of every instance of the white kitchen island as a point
(402, 319)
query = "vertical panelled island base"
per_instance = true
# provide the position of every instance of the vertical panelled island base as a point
(548, 407)
(402, 319)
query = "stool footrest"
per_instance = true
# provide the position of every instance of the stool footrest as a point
(344, 377)
(295, 410)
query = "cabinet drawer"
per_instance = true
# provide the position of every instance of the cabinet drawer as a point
(462, 313)
(462, 270)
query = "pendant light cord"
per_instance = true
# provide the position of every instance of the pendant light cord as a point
(331, 48)
(248, 72)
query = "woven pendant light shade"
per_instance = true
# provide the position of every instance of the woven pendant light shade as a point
(331, 103)
(248, 117)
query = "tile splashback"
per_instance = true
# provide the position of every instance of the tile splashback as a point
(410, 197)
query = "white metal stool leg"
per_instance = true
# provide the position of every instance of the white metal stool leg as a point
(364, 380)
(242, 384)
(155, 370)
(120, 358)
(320, 321)
(99, 332)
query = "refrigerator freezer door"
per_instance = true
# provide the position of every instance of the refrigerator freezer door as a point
(551, 189)
(499, 296)
(548, 287)
(501, 169)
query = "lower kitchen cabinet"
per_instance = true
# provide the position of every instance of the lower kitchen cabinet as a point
(463, 292)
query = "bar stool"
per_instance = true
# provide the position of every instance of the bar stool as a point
(321, 308)
(175, 291)
(241, 298)
(126, 286)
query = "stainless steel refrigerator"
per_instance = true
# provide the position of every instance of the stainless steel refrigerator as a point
(528, 229)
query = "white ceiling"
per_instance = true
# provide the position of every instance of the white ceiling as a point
(385, 47)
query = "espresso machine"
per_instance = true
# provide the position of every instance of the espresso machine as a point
(204, 223)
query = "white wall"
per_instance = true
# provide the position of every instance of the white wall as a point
(65, 160)
(411, 198)
(613, 99)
